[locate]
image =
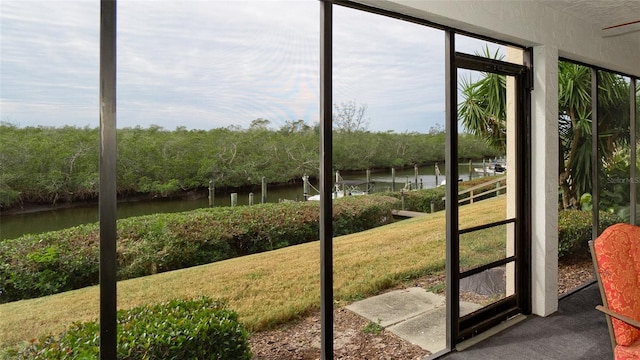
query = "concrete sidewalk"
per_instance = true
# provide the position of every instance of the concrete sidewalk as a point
(412, 314)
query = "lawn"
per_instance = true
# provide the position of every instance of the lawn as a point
(277, 286)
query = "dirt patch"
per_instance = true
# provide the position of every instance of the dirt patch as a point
(300, 340)
(573, 273)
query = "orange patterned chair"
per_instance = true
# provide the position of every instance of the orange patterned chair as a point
(616, 257)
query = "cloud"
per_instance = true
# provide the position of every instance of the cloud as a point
(207, 64)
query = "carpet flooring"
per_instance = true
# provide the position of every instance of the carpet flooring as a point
(576, 331)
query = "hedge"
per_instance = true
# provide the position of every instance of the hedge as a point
(419, 200)
(575, 230)
(53, 262)
(178, 329)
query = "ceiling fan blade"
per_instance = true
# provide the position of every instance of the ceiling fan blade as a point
(620, 25)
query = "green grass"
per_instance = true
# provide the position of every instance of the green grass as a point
(274, 287)
(373, 327)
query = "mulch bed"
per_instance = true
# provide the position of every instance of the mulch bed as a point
(300, 340)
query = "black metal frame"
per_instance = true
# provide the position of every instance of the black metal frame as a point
(632, 130)
(590, 66)
(524, 187)
(452, 248)
(326, 180)
(107, 197)
(469, 325)
(595, 160)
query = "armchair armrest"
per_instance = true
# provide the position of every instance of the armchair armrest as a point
(620, 317)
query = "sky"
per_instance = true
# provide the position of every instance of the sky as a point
(212, 64)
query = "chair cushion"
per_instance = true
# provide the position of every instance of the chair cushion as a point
(618, 253)
(631, 352)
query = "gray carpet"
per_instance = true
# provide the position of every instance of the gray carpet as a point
(576, 331)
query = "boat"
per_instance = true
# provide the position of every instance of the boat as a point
(347, 188)
(444, 182)
(493, 169)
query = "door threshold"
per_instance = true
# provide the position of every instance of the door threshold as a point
(488, 333)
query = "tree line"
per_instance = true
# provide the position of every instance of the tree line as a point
(49, 165)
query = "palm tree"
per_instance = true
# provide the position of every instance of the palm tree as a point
(484, 105)
(574, 116)
(483, 113)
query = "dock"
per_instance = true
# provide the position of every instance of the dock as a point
(408, 214)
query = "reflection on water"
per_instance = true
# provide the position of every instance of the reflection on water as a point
(12, 226)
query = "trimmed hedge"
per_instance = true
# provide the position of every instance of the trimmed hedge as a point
(575, 230)
(53, 262)
(420, 200)
(178, 329)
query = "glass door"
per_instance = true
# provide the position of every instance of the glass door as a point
(489, 244)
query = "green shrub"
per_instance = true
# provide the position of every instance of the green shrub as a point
(575, 230)
(44, 264)
(420, 200)
(48, 263)
(178, 329)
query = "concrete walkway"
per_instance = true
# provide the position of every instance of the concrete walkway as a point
(412, 314)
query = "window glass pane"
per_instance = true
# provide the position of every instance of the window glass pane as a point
(614, 148)
(574, 126)
(485, 288)
(574, 173)
(388, 95)
(221, 99)
(49, 138)
(487, 185)
(48, 159)
(484, 246)
(207, 91)
(474, 46)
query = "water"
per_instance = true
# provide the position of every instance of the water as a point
(12, 226)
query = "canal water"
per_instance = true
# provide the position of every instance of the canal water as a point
(12, 226)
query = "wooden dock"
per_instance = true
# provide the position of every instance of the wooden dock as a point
(408, 214)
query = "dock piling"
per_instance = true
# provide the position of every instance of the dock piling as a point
(368, 180)
(393, 179)
(212, 192)
(305, 187)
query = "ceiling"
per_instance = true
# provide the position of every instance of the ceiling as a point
(603, 13)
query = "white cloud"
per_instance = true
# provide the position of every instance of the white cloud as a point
(205, 64)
